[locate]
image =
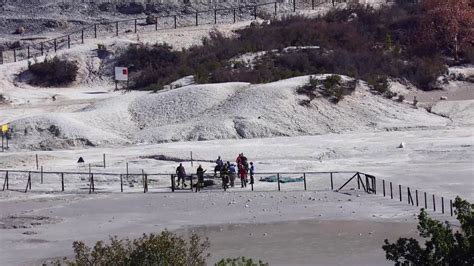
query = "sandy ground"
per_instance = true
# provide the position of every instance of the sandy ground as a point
(42, 223)
(307, 242)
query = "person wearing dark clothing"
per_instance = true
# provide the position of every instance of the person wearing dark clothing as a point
(225, 176)
(252, 171)
(181, 173)
(219, 164)
(200, 174)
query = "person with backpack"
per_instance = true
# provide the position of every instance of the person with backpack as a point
(200, 175)
(181, 173)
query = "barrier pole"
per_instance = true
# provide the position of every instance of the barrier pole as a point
(116, 29)
(442, 205)
(41, 174)
(426, 202)
(391, 191)
(400, 192)
(383, 184)
(62, 182)
(434, 203)
(332, 182)
(304, 179)
(451, 206)
(121, 183)
(278, 180)
(416, 195)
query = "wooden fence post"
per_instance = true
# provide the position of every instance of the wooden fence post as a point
(29, 180)
(5, 182)
(42, 48)
(294, 5)
(37, 161)
(121, 183)
(103, 157)
(95, 31)
(41, 174)
(358, 182)
(28, 52)
(62, 182)
(215, 16)
(391, 191)
(175, 22)
(116, 29)
(304, 179)
(400, 192)
(278, 180)
(312, 4)
(156, 23)
(442, 205)
(416, 195)
(332, 182)
(135, 25)
(234, 14)
(383, 185)
(55, 45)
(14, 55)
(434, 203)
(82, 36)
(275, 9)
(255, 12)
(69, 42)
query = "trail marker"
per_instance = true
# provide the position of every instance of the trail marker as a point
(121, 74)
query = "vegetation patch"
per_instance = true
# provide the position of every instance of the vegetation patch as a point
(332, 88)
(53, 72)
(444, 245)
(396, 41)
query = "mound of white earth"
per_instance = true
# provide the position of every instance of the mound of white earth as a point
(240, 110)
(216, 111)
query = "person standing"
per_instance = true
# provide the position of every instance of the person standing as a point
(219, 164)
(232, 173)
(243, 175)
(181, 173)
(200, 175)
(225, 176)
(252, 171)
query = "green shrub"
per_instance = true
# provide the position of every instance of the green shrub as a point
(379, 84)
(443, 244)
(164, 249)
(54, 72)
(243, 261)
(331, 88)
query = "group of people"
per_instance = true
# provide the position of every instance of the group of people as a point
(227, 172)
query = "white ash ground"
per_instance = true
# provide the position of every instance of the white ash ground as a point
(94, 217)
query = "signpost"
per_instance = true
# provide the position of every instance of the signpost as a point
(4, 134)
(121, 74)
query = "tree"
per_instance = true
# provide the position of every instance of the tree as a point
(164, 249)
(449, 24)
(443, 246)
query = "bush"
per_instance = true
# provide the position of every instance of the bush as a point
(243, 261)
(332, 88)
(164, 249)
(359, 41)
(54, 72)
(443, 246)
(3, 99)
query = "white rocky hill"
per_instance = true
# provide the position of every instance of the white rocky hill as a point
(216, 111)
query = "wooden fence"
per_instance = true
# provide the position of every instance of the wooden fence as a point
(327, 181)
